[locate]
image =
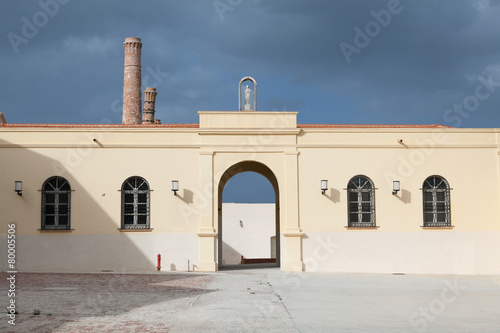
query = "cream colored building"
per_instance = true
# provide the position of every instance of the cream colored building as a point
(313, 231)
(99, 197)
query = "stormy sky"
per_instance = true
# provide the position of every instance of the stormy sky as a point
(380, 62)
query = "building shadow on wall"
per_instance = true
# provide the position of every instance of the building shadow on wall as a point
(230, 256)
(186, 196)
(405, 197)
(64, 251)
(333, 194)
(82, 245)
(235, 263)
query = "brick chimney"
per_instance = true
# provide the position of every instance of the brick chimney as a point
(132, 113)
(148, 114)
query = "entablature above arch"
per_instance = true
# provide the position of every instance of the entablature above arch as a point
(245, 120)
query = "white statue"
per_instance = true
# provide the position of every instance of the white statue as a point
(248, 92)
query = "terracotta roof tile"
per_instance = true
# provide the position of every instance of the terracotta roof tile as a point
(100, 126)
(197, 126)
(367, 126)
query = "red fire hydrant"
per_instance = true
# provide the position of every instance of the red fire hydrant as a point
(158, 265)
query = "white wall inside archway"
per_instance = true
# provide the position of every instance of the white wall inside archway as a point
(248, 230)
(248, 218)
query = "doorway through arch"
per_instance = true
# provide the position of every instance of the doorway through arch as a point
(261, 169)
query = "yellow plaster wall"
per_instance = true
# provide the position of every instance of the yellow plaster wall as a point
(299, 158)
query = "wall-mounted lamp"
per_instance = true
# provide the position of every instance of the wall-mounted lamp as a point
(18, 187)
(324, 186)
(396, 186)
(175, 186)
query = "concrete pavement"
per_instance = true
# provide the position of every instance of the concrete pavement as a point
(322, 302)
(253, 300)
(239, 301)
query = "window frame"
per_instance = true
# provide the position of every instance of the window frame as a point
(135, 191)
(352, 187)
(434, 190)
(57, 192)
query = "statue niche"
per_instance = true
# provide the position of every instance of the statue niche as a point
(247, 94)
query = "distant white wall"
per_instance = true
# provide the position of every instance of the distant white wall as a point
(247, 230)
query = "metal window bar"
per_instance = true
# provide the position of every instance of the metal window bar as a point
(361, 207)
(56, 211)
(135, 204)
(436, 202)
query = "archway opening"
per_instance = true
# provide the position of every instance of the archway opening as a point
(248, 217)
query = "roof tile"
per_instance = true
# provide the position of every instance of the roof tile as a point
(367, 126)
(197, 126)
(101, 126)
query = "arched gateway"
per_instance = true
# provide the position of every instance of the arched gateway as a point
(262, 142)
(232, 171)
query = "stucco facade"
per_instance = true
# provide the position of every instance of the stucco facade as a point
(311, 226)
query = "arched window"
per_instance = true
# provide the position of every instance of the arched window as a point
(135, 203)
(56, 200)
(361, 202)
(436, 196)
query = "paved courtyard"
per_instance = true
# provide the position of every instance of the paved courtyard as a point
(102, 302)
(252, 300)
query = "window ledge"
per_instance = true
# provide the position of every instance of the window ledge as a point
(361, 228)
(55, 230)
(427, 228)
(135, 230)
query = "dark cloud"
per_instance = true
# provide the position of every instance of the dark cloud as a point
(427, 58)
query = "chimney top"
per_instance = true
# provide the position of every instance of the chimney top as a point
(2, 119)
(132, 40)
(148, 114)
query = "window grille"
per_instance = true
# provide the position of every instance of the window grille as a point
(361, 202)
(56, 202)
(135, 203)
(436, 202)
